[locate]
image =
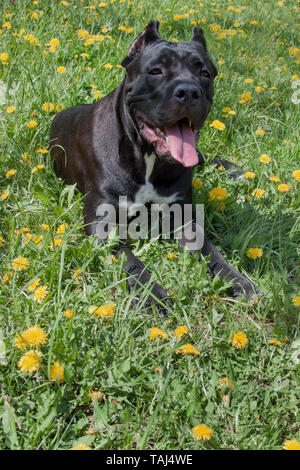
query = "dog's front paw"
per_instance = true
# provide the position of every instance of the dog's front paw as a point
(236, 175)
(152, 296)
(247, 289)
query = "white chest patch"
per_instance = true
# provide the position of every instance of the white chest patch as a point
(147, 192)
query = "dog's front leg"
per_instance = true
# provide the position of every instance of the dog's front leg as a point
(194, 239)
(139, 278)
(235, 172)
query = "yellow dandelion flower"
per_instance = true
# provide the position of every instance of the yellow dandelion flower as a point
(296, 301)
(4, 57)
(22, 230)
(97, 94)
(225, 382)
(37, 168)
(40, 293)
(20, 264)
(218, 193)
(275, 179)
(259, 89)
(81, 447)
(260, 132)
(180, 331)
(187, 349)
(296, 175)
(265, 158)
(291, 444)
(105, 311)
(156, 332)
(57, 372)
(20, 342)
(202, 432)
(10, 173)
(54, 42)
(10, 109)
(171, 256)
(196, 183)
(248, 80)
(76, 274)
(57, 242)
(31, 124)
(30, 362)
(45, 227)
(61, 69)
(42, 150)
(1, 241)
(245, 98)
(62, 228)
(48, 107)
(4, 196)
(26, 158)
(34, 284)
(229, 110)
(254, 253)
(259, 193)
(68, 313)
(274, 341)
(283, 188)
(34, 336)
(250, 175)
(108, 66)
(96, 395)
(239, 340)
(6, 278)
(220, 126)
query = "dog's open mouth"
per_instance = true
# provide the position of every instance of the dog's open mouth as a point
(179, 140)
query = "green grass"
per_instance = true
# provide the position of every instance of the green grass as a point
(153, 396)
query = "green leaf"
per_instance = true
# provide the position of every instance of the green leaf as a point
(9, 427)
(43, 198)
(58, 210)
(3, 360)
(42, 427)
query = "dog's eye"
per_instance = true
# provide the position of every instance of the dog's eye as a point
(155, 71)
(205, 73)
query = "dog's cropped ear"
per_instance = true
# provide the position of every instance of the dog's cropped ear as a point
(150, 34)
(198, 36)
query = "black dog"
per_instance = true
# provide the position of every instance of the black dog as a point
(140, 142)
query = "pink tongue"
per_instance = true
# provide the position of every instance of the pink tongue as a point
(181, 143)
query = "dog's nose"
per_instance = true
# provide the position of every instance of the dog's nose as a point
(187, 93)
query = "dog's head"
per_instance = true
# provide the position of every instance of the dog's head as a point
(169, 91)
